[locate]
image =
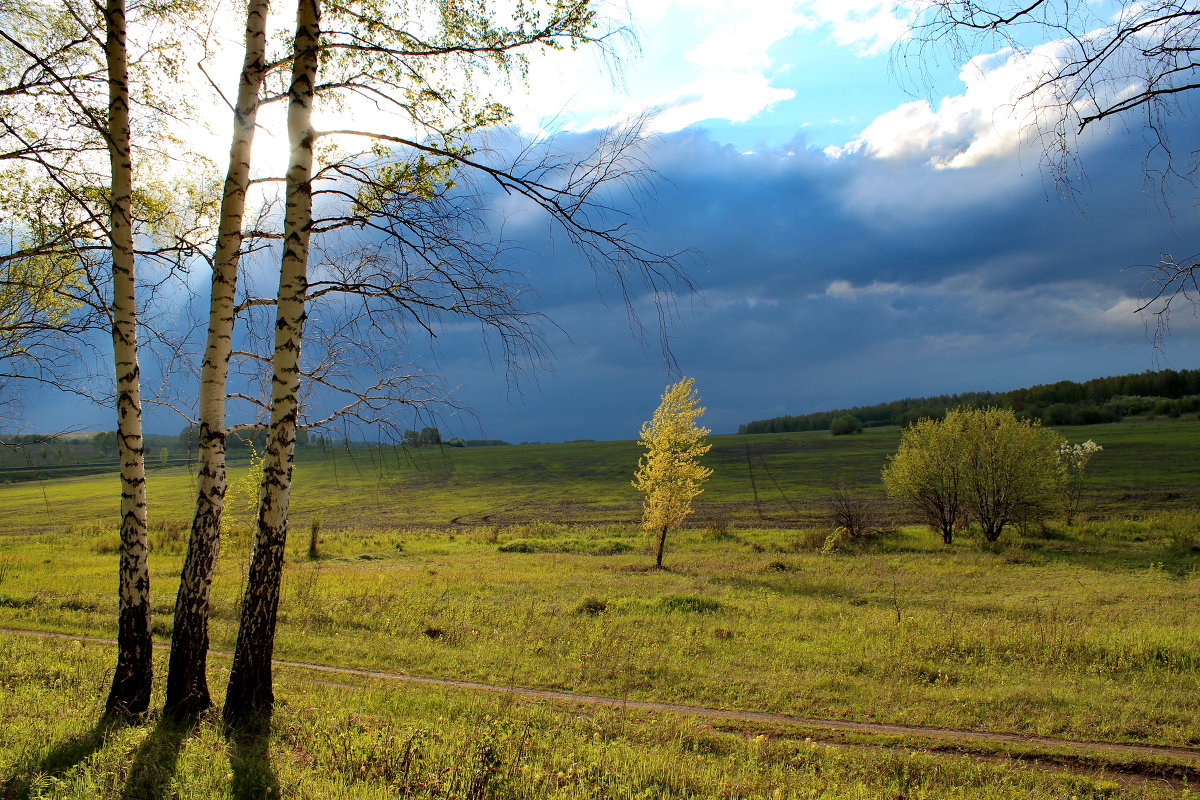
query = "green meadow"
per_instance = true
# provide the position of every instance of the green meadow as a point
(785, 480)
(524, 566)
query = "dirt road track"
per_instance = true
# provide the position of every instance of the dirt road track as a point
(923, 731)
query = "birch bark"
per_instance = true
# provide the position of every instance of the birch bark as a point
(250, 694)
(187, 683)
(130, 692)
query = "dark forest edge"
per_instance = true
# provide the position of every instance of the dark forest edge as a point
(1167, 392)
(36, 456)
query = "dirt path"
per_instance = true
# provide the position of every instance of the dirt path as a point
(928, 732)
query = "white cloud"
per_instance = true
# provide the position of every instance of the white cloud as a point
(716, 300)
(698, 60)
(742, 41)
(1000, 109)
(986, 120)
(733, 96)
(1059, 310)
(870, 26)
(845, 290)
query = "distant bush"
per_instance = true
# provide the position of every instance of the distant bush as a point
(809, 540)
(590, 547)
(1077, 414)
(1167, 407)
(106, 545)
(166, 537)
(718, 528)
(840, 426)
(523, 546)
(665, 604)
(591, 606)
(853, 512)
(687, 603)
(1132, 405)
(535, 529)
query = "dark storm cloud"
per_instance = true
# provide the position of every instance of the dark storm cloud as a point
(837, 281)
(824, 282)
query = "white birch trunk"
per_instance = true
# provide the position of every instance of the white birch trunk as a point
(250, 695)
(187, 683)
(130, 692)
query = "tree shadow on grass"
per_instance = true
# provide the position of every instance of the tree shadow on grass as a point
(154, 762)
(250, 759)
(58, 761)
(1113, 556)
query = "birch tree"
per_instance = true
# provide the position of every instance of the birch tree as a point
(130, 693)
(187, 684)
(368, 52)
(67, 127)
(72, 78)
(250, 689)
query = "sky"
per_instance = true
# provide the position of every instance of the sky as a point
(859, 228)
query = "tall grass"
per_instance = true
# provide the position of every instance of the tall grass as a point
(466, 567)
(366, 742)
(1089, 635)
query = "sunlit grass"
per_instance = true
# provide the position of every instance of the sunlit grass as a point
(525, 566)
(385, 741)
(1085, 637)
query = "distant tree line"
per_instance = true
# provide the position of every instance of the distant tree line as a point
(247, 440)
(1165, 392)
(425, 436)
(35, 450)
(433, 436)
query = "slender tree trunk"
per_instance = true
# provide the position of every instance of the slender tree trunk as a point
(130, 693)
(187, 683)
(662, 545)
(250, 696)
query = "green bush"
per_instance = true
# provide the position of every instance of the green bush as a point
(591, 606)
(839, 426)
(590, 547)
(688, 604)
(985, 465)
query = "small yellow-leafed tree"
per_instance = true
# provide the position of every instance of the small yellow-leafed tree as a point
(241, 494)
(669, 472)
